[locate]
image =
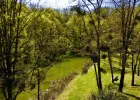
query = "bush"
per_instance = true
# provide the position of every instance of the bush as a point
(108, 94)
(86, 66)
(56, 87)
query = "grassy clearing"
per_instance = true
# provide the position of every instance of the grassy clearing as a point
(58, 71)
(83, 85)
(63, 69)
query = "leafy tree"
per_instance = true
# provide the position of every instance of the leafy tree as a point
(111, 36)
(128, 15)
(14, 17)
(135, 52)
(77, 33)
(96, 22)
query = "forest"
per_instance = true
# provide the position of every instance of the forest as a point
(83, 52)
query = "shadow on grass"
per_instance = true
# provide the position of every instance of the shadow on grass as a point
(137, 85)
(118, 70)
(117, 84)
(137, 98)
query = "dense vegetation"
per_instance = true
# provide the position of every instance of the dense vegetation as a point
(71, 54)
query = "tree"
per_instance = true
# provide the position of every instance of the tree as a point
(135, 52)
(128, 16)
(96, 22)
(112, 39)
(77, 33)
(14, 17)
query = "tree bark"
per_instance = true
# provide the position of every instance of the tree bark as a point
(134, 69)
(122, 71)
(138, 69)
(132, 81)
(98, 63)
(96, 75)
(38, 85)
(110, 63)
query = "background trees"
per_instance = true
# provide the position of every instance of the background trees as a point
(12, 38)
(128, 17)
(33, 38)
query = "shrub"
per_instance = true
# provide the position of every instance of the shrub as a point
(108, 94)
(56, 87)
(86, 66)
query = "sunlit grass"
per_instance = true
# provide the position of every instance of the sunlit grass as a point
(63, 69)
(83, 85)
(58, 71)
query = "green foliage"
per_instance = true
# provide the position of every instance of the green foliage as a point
(108, 94)
(46, 36)
(58, 71)
(86, 66)
(57, 86)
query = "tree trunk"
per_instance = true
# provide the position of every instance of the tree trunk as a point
(133, 76)
(38, 85)
(138, 69)
(99, 71)
(96, 75)
(110, 63)
(124, 47)
(132, 81)
(122, 71)
(134, 69)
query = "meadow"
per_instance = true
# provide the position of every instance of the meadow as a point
(81, 87)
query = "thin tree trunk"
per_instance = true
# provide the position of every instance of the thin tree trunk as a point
(122, 72)
(133, 76)
(111, 67)
(134, 69)
(98, 31)
(38, 85)
(96, 75)
(124, 47)
(98, 63)
(132, 81)
(138, 69)
(98, 43)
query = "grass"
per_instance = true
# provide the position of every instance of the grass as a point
(83, 85)
(58, 71)
(63, 69)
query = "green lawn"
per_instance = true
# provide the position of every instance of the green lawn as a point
(58, 71)
(83, 85)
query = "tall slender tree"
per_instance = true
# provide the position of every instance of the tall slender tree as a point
(128, 15)
(97, 27)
